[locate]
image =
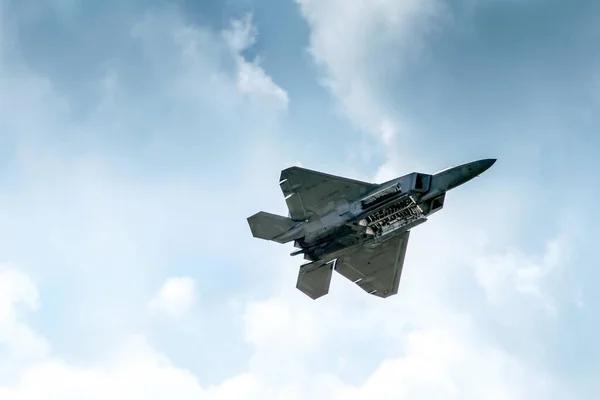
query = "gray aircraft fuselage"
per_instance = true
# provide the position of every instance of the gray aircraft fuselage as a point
(333, 217)
(390, 209)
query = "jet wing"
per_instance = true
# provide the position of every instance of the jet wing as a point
(376, 270)
(309, 193)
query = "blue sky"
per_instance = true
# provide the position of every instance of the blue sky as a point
(137, 136)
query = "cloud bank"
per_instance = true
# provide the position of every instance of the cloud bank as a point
(129, 270)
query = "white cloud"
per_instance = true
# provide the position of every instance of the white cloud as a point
(175, 297)
(512, 273)
(360, 45)
(241, 34)
(100, 203)
(203, 61)
(16, 290)
(440, 364)
(451, 362)
(131, 369)
(113, 230)
(251, 78)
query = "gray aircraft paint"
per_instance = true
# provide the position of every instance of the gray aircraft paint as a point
(356, 228)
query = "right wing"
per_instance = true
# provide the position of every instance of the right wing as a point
(310, 192)
(376, 270)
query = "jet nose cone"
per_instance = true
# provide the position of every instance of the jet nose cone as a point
(456, 176)
(484, 165)
(476, 168)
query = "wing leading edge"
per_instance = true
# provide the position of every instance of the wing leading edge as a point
(376, 270)
(309, 193)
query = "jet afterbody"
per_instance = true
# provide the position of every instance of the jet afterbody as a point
(356, 228)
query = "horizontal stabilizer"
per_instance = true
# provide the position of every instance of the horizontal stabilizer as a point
(314, 279)
(269, 226)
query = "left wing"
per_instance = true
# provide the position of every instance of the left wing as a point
(376, 270)
(310, 192)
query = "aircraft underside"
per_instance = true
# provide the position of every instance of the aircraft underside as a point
(356, 228)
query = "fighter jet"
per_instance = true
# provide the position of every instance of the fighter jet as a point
(357, 228)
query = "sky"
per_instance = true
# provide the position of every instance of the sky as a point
(136, 137)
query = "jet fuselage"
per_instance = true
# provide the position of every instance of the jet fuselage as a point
(359, 229)
(391, 208)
